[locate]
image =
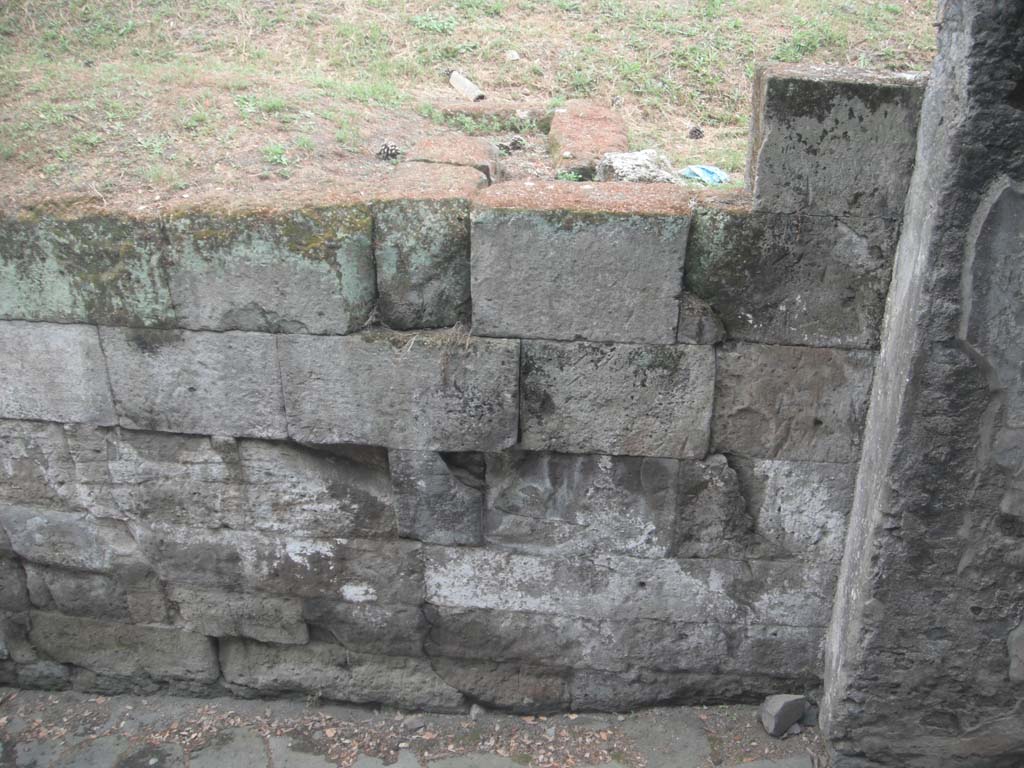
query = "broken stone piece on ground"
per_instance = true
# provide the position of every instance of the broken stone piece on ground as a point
(781, 711)
(648, 166)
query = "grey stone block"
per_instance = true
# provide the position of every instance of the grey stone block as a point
(713, 519)
(68, 540)
(438, 499)
(53, 372)
(698, 323)
(800, 508)
(420, 391)
(569, 271)
(369, 627)
(514, 686)
(541, 503)
(337, 674)
(792, 279)
(221, 613)
(800, 403)
(834, 141)
(185, 381)
(353, 570)
(421, 246)
(75, 593)
(623, 588)
(159, 653)
(13, 590)
(94, 269)
(307, 270)
(622, 399)
(305, 492)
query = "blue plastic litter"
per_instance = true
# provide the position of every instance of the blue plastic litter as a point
(708, 174)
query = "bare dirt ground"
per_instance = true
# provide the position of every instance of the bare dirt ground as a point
(43, 729)
(146, 100)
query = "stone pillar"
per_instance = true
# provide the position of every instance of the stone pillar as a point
(925, 658)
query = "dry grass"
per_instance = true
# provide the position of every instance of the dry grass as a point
(108, 97)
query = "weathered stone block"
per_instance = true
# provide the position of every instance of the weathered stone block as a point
(392, 629)
(581, 133)
(792, 279)
(94, 269)
(457, 149)
(800, 403)
(308, 270)
(601, 262)
(126, 650)
(186, 381)
(13, 591)
(567, 641)
(541, 503)
(623, 588)
(800, 508)
(35, 465)
(438, 498)
(68, 540)
(698, 323)
(512, 686)
(421, 245)
(337, 674)
(782, 650)
(423, 391)
(835, 141)
(713, 519)
(222, 613)
(353, 570)
(617, 398)
(53, 372)
(75, 593)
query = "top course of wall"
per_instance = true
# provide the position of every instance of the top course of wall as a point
(804, 260)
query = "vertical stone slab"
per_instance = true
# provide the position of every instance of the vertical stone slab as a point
(923, 654)
(800, 403)
(94, 268)
(421, 246)
(833, 141)
(308, 270)
(621, 399)
(560, 260)
(439, 391)
(53, 373)
(203, 383)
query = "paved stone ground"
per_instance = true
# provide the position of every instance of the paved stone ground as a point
(64, 730)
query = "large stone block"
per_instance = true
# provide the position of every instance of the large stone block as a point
(439, 498)
(800, 508)
(53, 372)
(421, 246)
(618, 399)
(575, 642)
(549, 503)
(422, 391)
(389, 628)
(623, 588)
(13, 591)
(338, 674)
(799, 403)
(582, 132)
(94, 269)
(352, 570)
(76, 593)
(125, 650)
(68, 540)
(833, 141)
(185, 381)
(792, 279)
(512, 686)
(307, 270)
(601, 262)
(713, 519)
(223, 613)
(36, 466)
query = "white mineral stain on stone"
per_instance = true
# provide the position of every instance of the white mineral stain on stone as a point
(358, 593)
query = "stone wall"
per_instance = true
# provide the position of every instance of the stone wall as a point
(539, 445)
